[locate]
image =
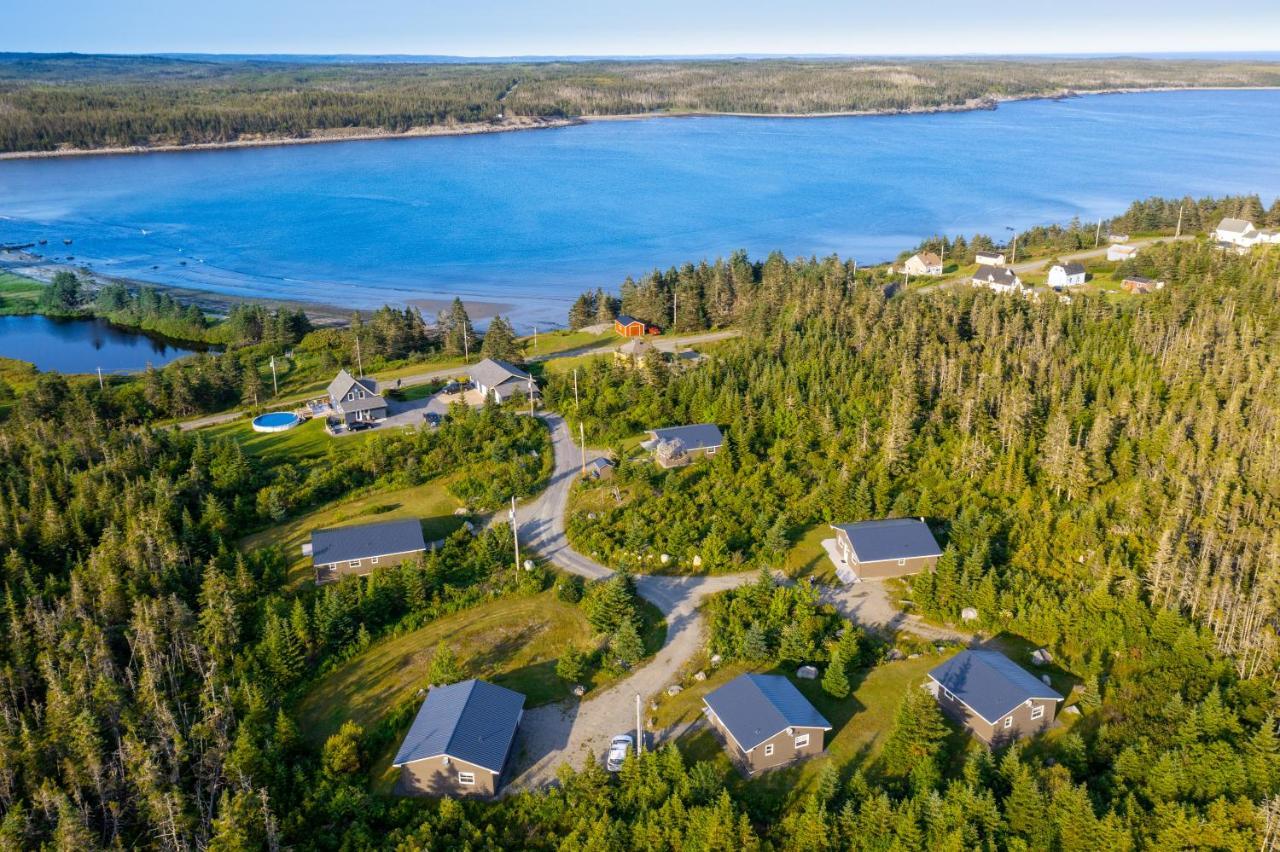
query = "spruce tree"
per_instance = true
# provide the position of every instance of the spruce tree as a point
(835, 682)
(500, 341)
(444, 666)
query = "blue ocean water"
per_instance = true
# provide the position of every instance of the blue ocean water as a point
(530, 219)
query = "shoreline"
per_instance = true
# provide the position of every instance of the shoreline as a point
(512, 125)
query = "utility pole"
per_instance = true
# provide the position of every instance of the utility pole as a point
(100, 386)
(515, 532)
(466, 345)
(575, 388)
(675, 300)
(359, 361)
(531, 395)
(639, 731)
(275, 385)
(582, 445)
(535, 338)
(1097, 234)
(1178, 232)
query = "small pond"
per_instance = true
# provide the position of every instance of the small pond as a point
(82, 345)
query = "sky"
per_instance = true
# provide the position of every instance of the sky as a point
(644, 27)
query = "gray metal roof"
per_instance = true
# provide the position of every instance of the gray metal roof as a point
(702, 436)
(1072, 268)
(344, 382)
(1235, 226)
(990, 683)
(995, 274)
(473, 721)
(755, 707)
(627, 319)
(343, 544)
(893, 538)
(491, 372)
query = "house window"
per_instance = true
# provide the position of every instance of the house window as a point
(467, 779)
(802, 741)
(902, 562)
(354, 563)
(711, 451)
(1008, 722)
(351, 396)
(1037, 712)
(768, 750)
(374, 560)
(948, 694)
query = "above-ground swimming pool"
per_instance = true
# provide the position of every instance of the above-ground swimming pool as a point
(276, 421)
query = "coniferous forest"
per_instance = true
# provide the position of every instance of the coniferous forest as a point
(1104, 475)
(86, 102)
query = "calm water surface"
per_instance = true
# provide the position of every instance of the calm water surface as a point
(81, 346)
(533, 218)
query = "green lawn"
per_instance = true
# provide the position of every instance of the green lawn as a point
(18, 295)
(304, 443)
(514, 642)
(562, 340)
(432, 503)
(808, 558)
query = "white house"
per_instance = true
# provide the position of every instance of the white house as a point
(1066, 274)
(1121, 252)
(997, 278)
(924, 263)
(989, 258)
(501, 381)
(1269, 235)
(1117, 238)
(1237, 231)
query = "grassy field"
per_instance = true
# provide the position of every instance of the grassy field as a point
(807, 557)
(431, 502)
(304, 443)
(514, 642)
(18, 295)
(563, 340)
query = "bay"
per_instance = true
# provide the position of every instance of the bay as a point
(532, 218)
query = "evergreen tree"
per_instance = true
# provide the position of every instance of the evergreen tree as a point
(500, 341)
(835, 682)
(445, 668)
(626, 643)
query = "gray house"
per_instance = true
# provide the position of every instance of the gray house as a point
(874, 550)
(353, 399)
(460, 740)
(992, 696)
(500, 381)
(679, 445)
(765, 722)
(363, 548)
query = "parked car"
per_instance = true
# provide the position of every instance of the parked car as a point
(432, 418)
(361, 425)
(619, 747)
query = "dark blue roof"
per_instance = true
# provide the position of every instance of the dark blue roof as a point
(990, 683)
(755, 707)
(894, 538)
(702, 436)
(473, 721)
(361, 541)
(627, 319)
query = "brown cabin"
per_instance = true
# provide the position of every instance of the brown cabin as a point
(997, 700)
(764, 722)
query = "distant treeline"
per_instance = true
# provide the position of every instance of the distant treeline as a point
(94, 101)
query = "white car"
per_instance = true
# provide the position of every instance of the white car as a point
(619, 748)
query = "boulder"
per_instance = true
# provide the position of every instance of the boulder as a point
(579, 690)
(666, 558)
(715, 659)
(675, 689)
(895, 654)
(1045, 680)
(969, 614)
(913, 656)
(461, 510)
(1041, 657)
(807, 673)
(528, 565)
(700, 676)
(697, 561)
(1073, 710)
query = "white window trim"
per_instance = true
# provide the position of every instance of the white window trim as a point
(1037, 712)
(373, 559)
(902, 562)
(711, 451)
(768, 750)
(354, 563)
(802, 741)
(467, 779)
(948, 694)
(1008, 721)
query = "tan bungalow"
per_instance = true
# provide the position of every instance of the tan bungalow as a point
(765, 722)
(460, 740)
(994, 698)
(924, 263)
(1138, 284)
(363, 548)
(875, 550)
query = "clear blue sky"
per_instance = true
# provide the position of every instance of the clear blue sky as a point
(603, 27)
